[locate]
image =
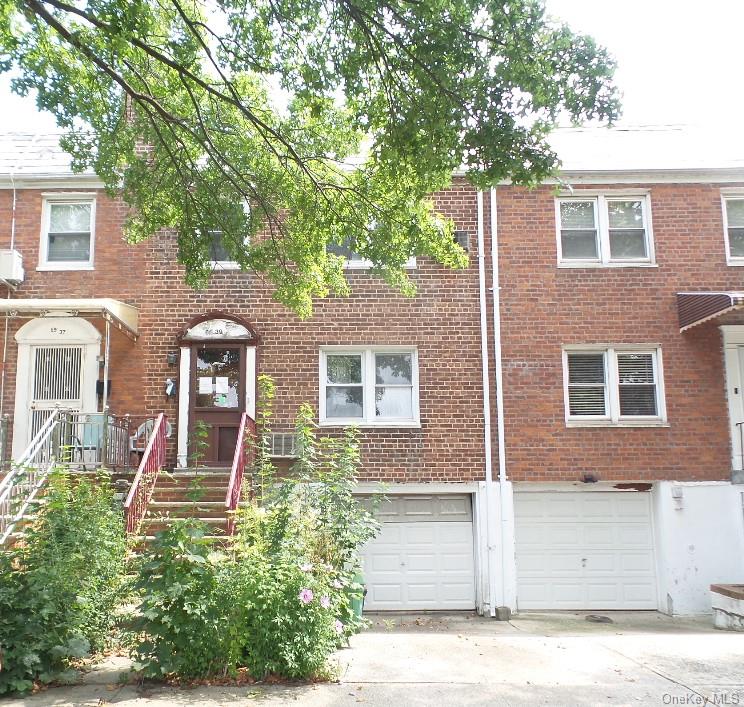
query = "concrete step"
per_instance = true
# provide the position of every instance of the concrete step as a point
(218, 526)
(180, 509)
(141, 540)
(207, 496)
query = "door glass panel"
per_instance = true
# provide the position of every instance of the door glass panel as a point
(218, 378)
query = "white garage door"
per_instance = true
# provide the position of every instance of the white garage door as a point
(423, 556)
(591, 550)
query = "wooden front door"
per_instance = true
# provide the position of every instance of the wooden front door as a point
(217, 401)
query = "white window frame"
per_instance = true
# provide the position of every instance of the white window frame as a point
(369, 418)
(601, 218)
(227, 264)
(65, 198)
(363, 264)
(726, 196)
(613, 418)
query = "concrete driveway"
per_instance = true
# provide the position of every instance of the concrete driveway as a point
(553, 659)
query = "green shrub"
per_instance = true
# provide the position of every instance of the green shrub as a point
(280, 601)
(289, 621)
(58, 591)
(184, 620)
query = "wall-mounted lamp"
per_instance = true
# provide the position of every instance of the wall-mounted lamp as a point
(679, 498)
(172, 358)
(589, 478)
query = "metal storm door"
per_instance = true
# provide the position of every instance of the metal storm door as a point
(217, 401)
(56, 382)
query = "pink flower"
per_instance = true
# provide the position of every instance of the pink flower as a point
(325, 602)
(307, 567)
(339, 627)
(306, 596)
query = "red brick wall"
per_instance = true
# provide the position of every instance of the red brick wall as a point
(117, 274)
(442, 322)
(545, 307)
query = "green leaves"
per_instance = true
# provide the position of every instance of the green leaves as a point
(58, 592)
(290, 125)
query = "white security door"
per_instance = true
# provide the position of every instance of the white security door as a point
(590, 550)
(423, 556)
(736, 410)
(56, 381)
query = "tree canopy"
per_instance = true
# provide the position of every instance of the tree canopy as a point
(291, 125)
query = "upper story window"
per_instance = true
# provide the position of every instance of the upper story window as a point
(219, 255)
(369, 386)
(733, 219)
(613, 386)
(604, 231)
(354, 261)
(67, 234)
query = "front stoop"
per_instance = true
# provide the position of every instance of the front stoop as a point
(175, 497)
(728, 606)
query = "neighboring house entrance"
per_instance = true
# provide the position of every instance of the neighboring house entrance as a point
(423, 557)
(584, 550)
(217, 384)
(57, 367)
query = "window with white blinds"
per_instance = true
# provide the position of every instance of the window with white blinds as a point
(67, 236)
(613, 385)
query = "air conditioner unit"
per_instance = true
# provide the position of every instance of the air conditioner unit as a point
(284, 444)
(11, 266)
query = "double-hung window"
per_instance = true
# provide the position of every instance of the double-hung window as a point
(614, 385)
(354, 261)
(733, 218)
(67, 234)
(219, 255)
(604, 230)
(369, 386)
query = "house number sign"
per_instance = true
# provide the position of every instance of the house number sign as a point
(217, 329)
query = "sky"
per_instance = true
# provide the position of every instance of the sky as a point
(679, 62)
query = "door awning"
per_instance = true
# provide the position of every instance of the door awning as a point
(121, 315)
(697, 307)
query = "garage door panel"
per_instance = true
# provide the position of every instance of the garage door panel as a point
(641, 562)
(634, 535)
(594, 507)
(420, 562)
(565, 508)
(428, 561)
(457, 507)
(596, 534)
(600, 558)
(386, 562)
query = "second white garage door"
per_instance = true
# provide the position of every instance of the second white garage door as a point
(423, 556)
(591, 550)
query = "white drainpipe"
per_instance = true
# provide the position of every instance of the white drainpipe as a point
(490, 516)
(506, 527)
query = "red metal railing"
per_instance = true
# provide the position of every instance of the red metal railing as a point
(143, 485)
(242, 452)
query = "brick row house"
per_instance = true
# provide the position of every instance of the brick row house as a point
(556, 426)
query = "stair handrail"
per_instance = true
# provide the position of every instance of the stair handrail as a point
(140, 493)
(234, 487)
(27, 475)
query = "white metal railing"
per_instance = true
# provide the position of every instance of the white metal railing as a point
(28, 474)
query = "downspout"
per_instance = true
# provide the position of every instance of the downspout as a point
(491, 572)
(506, 509)
(9, 289)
